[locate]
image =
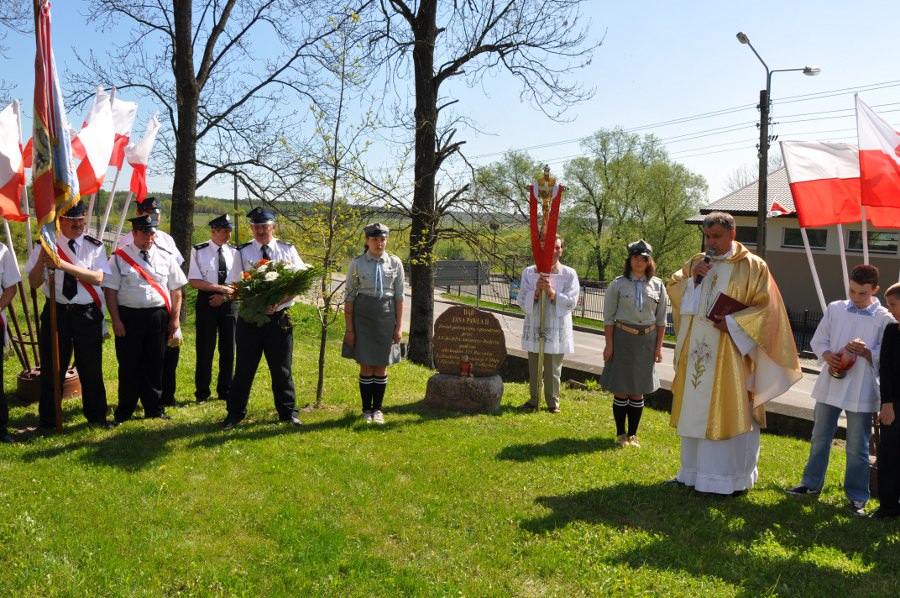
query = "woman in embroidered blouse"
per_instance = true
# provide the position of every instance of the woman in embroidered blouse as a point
(634, 309)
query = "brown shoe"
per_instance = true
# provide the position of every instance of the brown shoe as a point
(527, 407)
(622, 440)
(633, 441)
(555, 410)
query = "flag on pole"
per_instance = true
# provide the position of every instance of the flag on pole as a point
(94, 144)
(138, 155)
(824, 180)
(12, 166)
(879, 159)
(53, 171)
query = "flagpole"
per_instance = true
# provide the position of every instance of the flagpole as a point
(24, 187)
(112, 193)
(122, 217)
(865, 236)
(812, 268)
(54, 351)
(23, 359)
(90, 212)
(840, 231)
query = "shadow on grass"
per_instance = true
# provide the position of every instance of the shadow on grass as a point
(789, 546)
(559, 447)
(138, 444)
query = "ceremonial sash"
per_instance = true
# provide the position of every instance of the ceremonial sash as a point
(88, 287)
(146, 276)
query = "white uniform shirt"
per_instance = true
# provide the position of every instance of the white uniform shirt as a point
(205, 261)
(9, 269)
(250, 253)
(557, 315)
(89, 254)
(163, 239)
(133, 290)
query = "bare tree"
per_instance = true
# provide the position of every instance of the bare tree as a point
(747, 174)
(15, 17)
(539, 42)
(226, 97)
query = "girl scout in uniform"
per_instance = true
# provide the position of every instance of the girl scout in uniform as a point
(634, 316)
(373, 313)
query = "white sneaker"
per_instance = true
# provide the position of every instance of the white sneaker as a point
(378, 417)
(367, 417)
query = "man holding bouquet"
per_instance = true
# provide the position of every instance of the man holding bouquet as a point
(274, 338)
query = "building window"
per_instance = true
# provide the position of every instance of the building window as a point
(879, 242)
(817, 238)
(746, 235)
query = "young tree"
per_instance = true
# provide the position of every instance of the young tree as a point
(539, 42)
(225, 94)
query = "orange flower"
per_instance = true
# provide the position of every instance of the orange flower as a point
(245, 275)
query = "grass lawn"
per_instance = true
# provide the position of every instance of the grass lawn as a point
(430, 504)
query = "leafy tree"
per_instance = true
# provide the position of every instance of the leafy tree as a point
(625, 188)
(538, 42)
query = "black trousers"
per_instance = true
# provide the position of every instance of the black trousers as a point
(80, 331)
(213, 323)
(275, 340)
(889, 467)
(170, 364)
(140, 354)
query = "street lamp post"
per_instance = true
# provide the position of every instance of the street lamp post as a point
(764, 104)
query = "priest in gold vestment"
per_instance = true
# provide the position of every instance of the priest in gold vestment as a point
(726, 368)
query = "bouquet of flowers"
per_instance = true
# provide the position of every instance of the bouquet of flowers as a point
(266, 283)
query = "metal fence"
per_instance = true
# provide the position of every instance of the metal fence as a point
(503, 290)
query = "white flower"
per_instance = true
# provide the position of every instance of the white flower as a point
(270, 276)
(262, 267)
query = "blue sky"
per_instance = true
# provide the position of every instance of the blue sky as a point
(661, 61)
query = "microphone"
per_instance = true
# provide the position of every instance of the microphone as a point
(699, 278)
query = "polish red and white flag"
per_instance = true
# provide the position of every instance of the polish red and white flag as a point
(138, 155)
(879, 159)
(824, 180)
(12, 165)
(124, 114)
(94, 144)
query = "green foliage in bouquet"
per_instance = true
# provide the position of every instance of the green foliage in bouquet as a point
(266, 283)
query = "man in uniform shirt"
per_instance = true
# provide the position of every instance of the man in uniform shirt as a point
(215, 313)
(9, 280)
(275, 339)
(79, 316)
(164, 240)
(143, 295)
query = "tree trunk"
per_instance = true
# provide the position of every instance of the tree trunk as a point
(422, 236)
(184, 185)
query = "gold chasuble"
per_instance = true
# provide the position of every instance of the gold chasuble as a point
(715, 386)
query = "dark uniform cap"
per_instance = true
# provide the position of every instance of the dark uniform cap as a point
(640, 248)
(150, 204)
(223, 221)
(76, 211)
(377, 230)
(259, 216)
(146, 223)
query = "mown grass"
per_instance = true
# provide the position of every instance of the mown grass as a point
(432, 503)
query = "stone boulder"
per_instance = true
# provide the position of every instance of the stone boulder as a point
(473, 395)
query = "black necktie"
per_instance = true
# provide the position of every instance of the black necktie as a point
(70, 285)
(265, 252)
(145, 255)
(221, 266)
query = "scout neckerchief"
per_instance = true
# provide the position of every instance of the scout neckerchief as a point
(62, 250)
(146, 276)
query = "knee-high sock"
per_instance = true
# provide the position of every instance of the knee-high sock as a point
(379, 383)
(635, 408)
(620, 409)
(365, 392)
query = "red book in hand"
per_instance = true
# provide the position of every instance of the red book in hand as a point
(724, 305)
